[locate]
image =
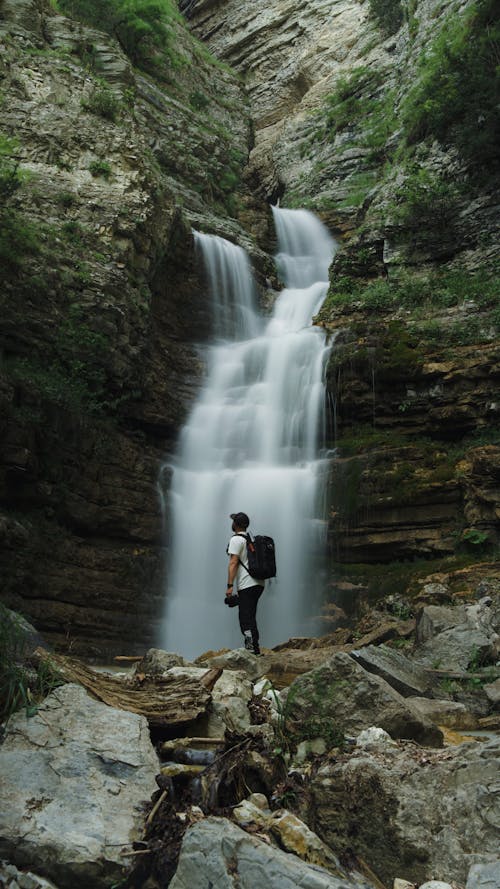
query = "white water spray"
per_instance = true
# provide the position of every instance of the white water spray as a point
(251, 444)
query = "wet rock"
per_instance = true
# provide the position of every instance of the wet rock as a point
(73, 781)
(341, 696)
(215, 852)
(382, 805)
(399, 671)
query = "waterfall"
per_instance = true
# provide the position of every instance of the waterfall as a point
(251, 444)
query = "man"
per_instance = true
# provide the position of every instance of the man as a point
(249, 588)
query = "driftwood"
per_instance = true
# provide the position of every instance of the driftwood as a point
(163, 700)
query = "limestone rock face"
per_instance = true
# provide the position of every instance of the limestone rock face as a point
(422, 816)
(217, 853)
(74, 780)
(342, 696)
(98, 324)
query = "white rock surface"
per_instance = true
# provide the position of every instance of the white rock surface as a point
(373, 737)
(215, 854)
(73, 782)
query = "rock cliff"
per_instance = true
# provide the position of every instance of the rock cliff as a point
(107, 162)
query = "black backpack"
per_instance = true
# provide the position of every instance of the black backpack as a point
(261, 556)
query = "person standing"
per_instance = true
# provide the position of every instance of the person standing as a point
(249, 588)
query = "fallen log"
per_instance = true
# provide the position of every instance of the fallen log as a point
(164, 700)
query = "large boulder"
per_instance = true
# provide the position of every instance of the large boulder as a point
(452, 714)
(73, 783)
(412, 815)
(216, 853)
(460, 637)
(399, 671)
(340, 697)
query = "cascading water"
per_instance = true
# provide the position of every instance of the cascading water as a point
(251, 444)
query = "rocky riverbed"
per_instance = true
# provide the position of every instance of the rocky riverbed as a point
(367, 758)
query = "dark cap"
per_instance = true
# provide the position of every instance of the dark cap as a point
(240, 519)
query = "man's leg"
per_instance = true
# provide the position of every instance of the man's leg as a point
(248, 615)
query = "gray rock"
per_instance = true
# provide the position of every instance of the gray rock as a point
(492, 692)
(156, 661)
(434, 619)
(73, 780)
(448, 713)
(237, 659)
(216, 853)
(340, 694)
(399, 671)
(453, 638)
(428, 817)
(484, 875)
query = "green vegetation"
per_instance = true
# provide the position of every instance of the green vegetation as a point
(425, 198)
(424, 295)
(18, 236)
(100, 168)
(457, 94)
(76, 376)
(103, 102)
(20, 686)
(143, 28)
(349, 103)
(388, 14)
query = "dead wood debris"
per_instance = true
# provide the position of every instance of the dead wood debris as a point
(163, 700)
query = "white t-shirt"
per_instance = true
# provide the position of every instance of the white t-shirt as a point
(237, 546)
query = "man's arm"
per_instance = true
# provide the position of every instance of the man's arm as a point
(231, 573)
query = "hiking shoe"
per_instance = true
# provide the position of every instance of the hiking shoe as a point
(248, 643)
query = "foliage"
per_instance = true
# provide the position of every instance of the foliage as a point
(76, 376)
(425, 198)
(349, 103)
(18, 236)
(103, 102)
(457, 94)
(199, 101)
(388, 14)
(19, 686)
(100, 168)
(141, 27)
(420, 293)
(10, 179)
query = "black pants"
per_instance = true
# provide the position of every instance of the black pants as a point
(248, 610)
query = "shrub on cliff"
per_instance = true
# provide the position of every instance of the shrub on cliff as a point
(457, 95)
(141, 27)
(388, 15)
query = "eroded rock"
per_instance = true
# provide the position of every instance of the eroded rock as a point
(341, 696)
(217, 853)
(427, 815)
(74, 781)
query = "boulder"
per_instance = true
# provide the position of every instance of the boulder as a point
(421, 816)
(484, 876)
(456, 637)
(229, 705)
(237, 659)
(156, 662)
(492, 692)
(73, 783)
(216, 853)
(399, 671)
(340, 697)
(452, 714)
(12, 878)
